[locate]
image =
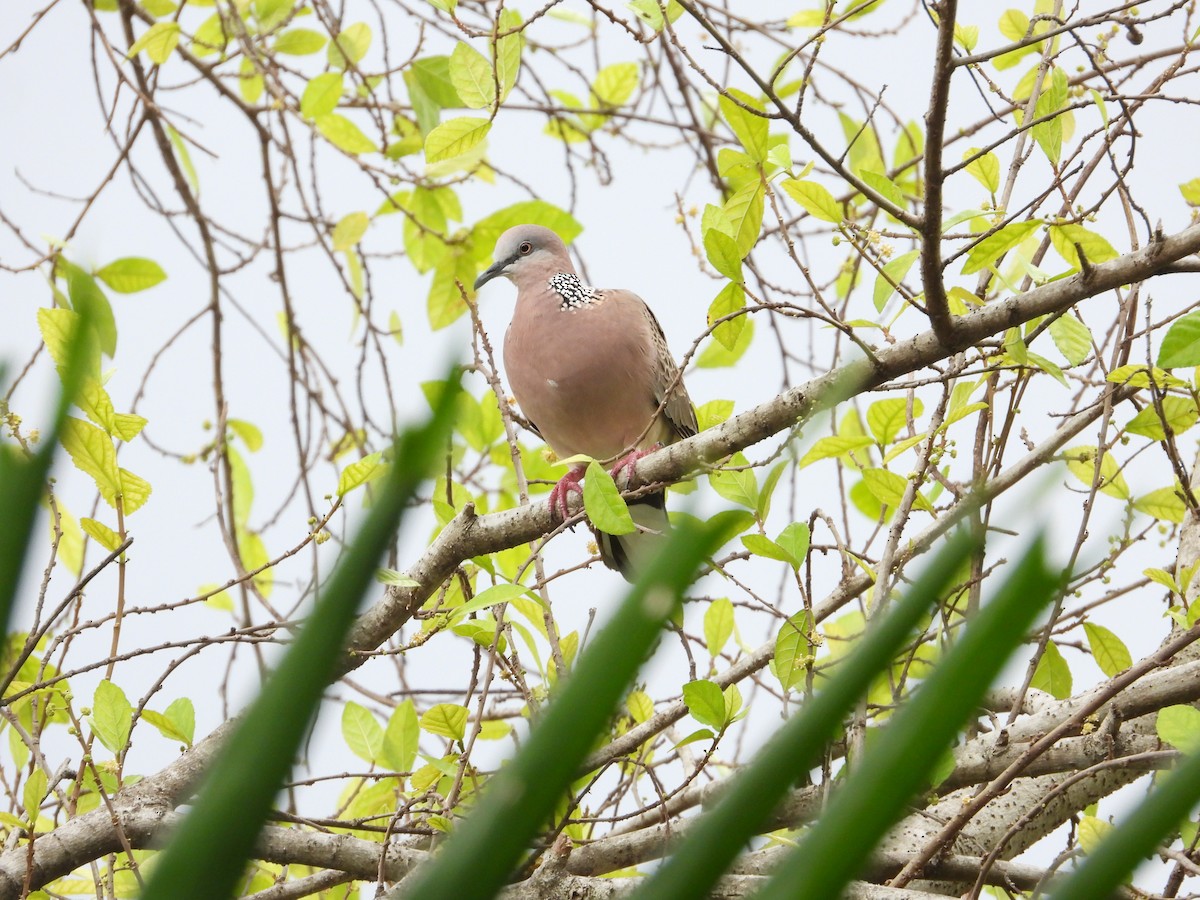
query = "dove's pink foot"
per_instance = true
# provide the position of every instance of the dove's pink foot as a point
(628, 461)
(560, 495)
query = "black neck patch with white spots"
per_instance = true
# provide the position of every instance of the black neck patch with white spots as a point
(575, 294)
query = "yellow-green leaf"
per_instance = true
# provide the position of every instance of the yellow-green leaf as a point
(400, 738)
(350, 45)
(1095, 248)
(360, 472)
(447, 720)
(472, 76)
(91, 450)
(1072, 338)
(722, 252)
(344, 134)
(1178, 412)
(1109, 651)
(131, 274)
(1179, 726)
(615, 84)
(1081, 461)
(1052, 674)
(731, 299)
(1163, 504)
(101, 533)
(718, 625)
(984, 168)
(815, 198)
(158, 41)
(321, 95)
(299, 42)
(362, 732)
(350, 230)
(112, 717)
(750, 128)
(455, 137)
(892, 274)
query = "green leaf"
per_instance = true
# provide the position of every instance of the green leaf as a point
(750, 129)
(1191, 192)
(763, 546)
(1081, 462)
(738, 485)
(1164, 504)
(473, 77)
(455, 137)
(321, 95)
(815, 198)
(985, 169)
(615, 84)
(1109, 651)
(731, 299)
(1072, 338)
(360, 472)
(400, 738)
(447, 720)
(350, 45)
(1052, 674)
(1179, 726)
(794, 650)
(131, 274)
(722, 252)
(1178, 412)
(87, 298)
(362, 732)
(299, 42)
(497, 593)
(995, 245)
(36, 788)
(706, 703)
(350, 230)
(182, 715)
(1181, 346)
(159, 40)
(112, 717)
(605, 507)
(344, 134)
(892, 273)
(718, 625)
(794, 539)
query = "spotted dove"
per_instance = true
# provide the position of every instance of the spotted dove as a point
(593, 374)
